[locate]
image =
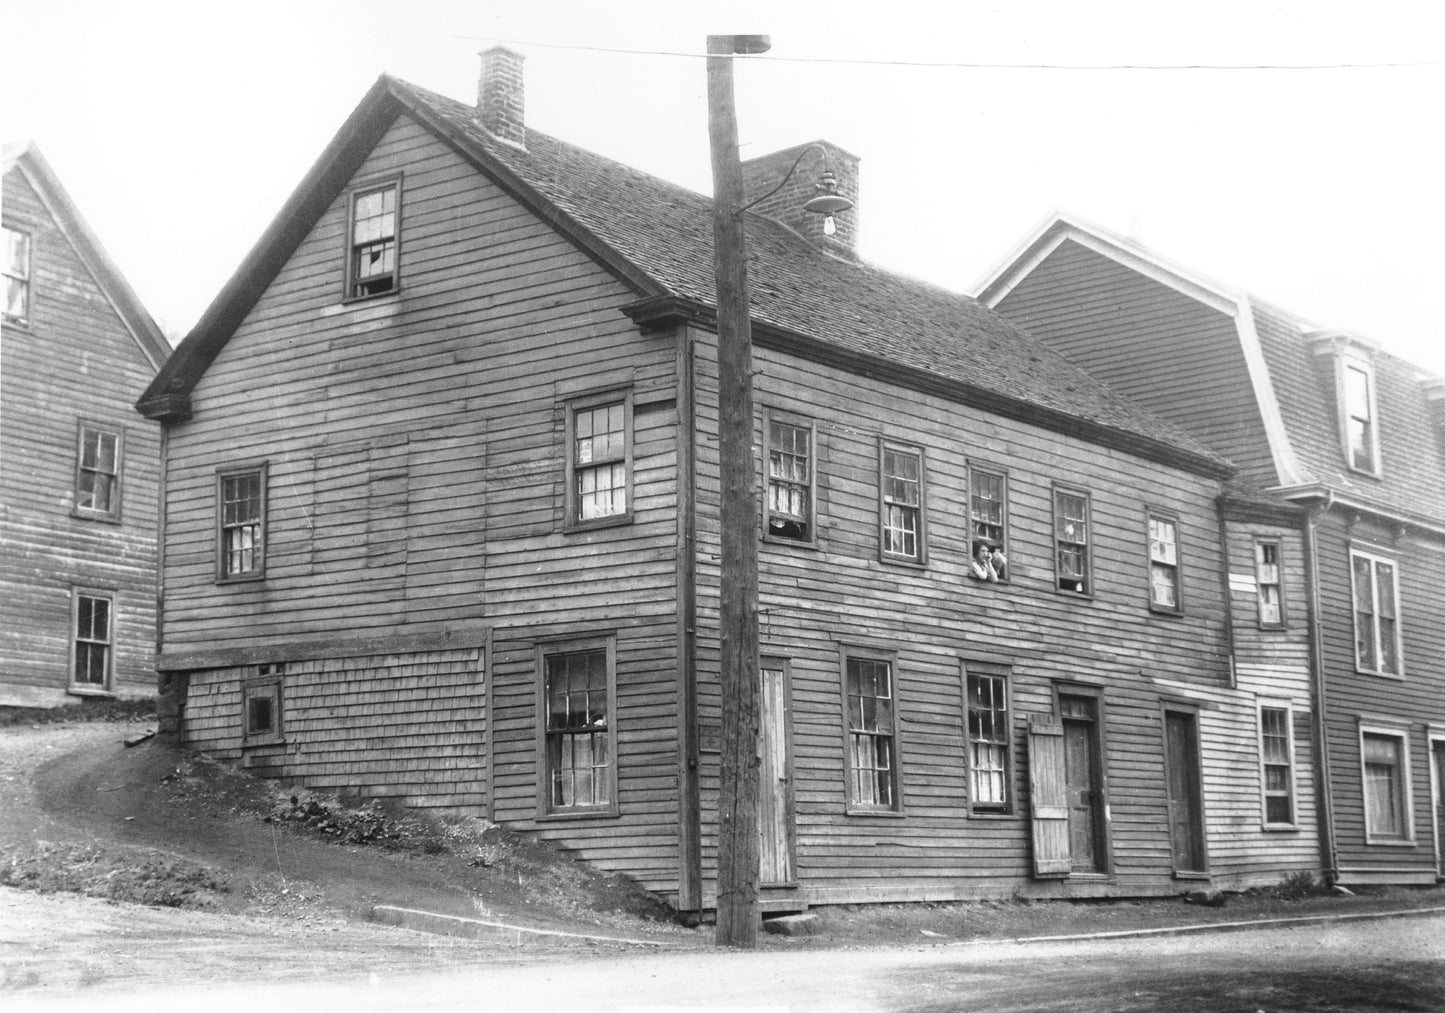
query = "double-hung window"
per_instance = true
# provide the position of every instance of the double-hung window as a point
(987, 508)
(900, 509)
(373, 265)
(241, 523)
(1276, 757)
(579, 771)
(1269, 583)
(93, 643)
(988, 730)
(1164, 582)
(599, 460)
(791, 479)
(1385, 767)
(1377, 619)
(1362, 448)
(17, 275)
(98, 472)
(1071, 541)
(872, 753)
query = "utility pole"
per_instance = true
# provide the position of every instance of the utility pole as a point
(737, 876)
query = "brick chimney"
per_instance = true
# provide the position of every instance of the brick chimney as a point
(501, 100)
(765, 172)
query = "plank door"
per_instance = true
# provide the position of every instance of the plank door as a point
(775, 787)
(1082, 786)
(1437, 755)
(1186, 805)
(1049, 802)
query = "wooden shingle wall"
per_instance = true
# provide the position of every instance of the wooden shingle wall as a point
(72, 360)
(408, 727)
(937, 618)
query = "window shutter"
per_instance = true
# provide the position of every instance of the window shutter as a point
(1048, 797)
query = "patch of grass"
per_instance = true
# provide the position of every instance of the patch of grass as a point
(143, 709)
(136, 877)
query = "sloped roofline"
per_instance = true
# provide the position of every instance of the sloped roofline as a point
(27, 159)
(1059, 227)
(168, 396)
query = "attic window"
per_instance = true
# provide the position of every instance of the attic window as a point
(1361, 443)
(372, 266)
(17, 275)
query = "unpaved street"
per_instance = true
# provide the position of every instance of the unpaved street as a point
(154, 960)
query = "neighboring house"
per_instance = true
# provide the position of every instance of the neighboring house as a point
(79, 473)
(442, 525)
(1322, 422)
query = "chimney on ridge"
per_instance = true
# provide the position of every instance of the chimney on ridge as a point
(763, 173)
(501, 101)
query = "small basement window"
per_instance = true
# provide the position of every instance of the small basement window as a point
(261, 706)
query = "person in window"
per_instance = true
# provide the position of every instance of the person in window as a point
(999, 562)
(981, 566)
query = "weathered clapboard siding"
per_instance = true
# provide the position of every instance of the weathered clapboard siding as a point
(1410, 704)
(812, 600)
(1163, 348)
(406, 727)
(73, 360)
(416, 453)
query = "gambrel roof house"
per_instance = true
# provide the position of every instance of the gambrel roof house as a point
(1319, 419)
(78, 472)
(442, 526)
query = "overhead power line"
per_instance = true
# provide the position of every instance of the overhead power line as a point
(965, 64)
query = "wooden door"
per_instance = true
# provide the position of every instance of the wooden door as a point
(1049, 804)
(1081, 783)
(1186, 806)
(775, 779)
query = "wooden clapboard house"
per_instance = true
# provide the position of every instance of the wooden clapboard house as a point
(79, 473)
(442, 526)
(1323, 424)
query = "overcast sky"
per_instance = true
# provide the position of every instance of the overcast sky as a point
(180, 128)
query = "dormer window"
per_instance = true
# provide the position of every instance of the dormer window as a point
(1361, 443)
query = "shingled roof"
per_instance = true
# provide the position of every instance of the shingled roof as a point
(657, 237)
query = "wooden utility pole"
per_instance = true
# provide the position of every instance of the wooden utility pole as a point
(737, 874)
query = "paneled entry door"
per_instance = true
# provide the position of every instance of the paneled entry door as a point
(1186, 807)
(1083, 782)
(775, 780)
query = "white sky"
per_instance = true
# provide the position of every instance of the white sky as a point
(179, 128)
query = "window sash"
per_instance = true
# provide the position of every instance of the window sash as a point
(1383, 761)
(97, 471)
(577, 694)
(242, 521)
(1163, 563)
(372, 260)
(1071, 534)
(1359, 419)
(1268, 577)
(1377, 645)
(986, 507)
(873, 765)
(1277, 760)
(599, 461)
(93, 632)
(17, 274)
(902, 491)
(790, 480)
(988, 740)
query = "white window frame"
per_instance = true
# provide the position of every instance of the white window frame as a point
(25, 278)
(106, 685)
(1158, 562)
(1402, 736)
(889, 507)
(1347, 362)
(1264, 794)
(1375, 560)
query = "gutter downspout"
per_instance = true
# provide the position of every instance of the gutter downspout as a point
(1228, 593)
(1324, 787)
